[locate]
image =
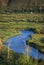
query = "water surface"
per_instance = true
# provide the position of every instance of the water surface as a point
(18, 44)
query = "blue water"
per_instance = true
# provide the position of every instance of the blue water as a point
(18, 44)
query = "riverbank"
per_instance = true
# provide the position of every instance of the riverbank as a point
(17, 59)
(37, 42)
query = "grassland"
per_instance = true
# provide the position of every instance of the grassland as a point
(16, 59)
(11, 24)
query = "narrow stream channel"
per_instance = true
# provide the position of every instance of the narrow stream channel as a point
(18, 44)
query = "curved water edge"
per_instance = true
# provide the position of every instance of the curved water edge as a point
(18, 44)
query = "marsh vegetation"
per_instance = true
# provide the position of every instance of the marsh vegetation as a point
(10, 25)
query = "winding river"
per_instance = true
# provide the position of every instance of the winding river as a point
(18, 44)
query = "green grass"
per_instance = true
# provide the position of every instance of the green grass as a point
(11, 24)
(36, 42)
(36, 38)
(16, 58)
(9, 29)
